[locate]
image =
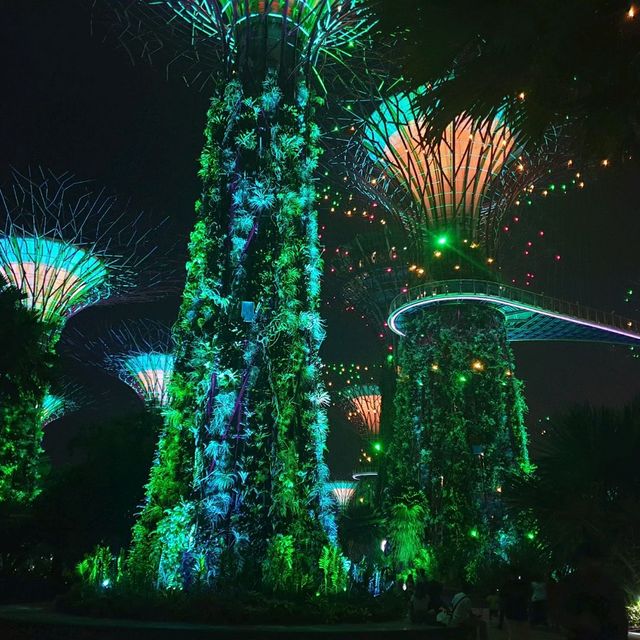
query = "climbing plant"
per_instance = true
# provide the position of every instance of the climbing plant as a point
(459, 434)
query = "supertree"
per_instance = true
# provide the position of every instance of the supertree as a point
(343, 492)
(242, 456)
(64, 246)
(138, 352)
(459, 409)
(363, 408)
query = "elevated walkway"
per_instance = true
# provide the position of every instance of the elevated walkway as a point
(529, 316)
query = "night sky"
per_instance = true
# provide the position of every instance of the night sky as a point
(72, 102)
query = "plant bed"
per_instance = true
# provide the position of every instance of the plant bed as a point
(232, 607)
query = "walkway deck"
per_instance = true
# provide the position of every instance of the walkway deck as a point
(529, 316)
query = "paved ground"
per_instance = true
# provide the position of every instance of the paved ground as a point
(534, 634)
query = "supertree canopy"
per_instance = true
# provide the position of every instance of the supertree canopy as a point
(447, 181)
(64, 246)
(451, 191)
(241, 461)
(149, 374)
(343, 492)
(57, 279)
(138, 352)
(364, 404)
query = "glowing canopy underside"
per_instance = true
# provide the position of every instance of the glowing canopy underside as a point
(448, 181)
(365, 405)
(529, 316)
(148, 374)
(57, 279)
(343, 492)
(53, 406)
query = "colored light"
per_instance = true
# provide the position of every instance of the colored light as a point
(442, 241)
(56, 279)
(377, 446)
(149, 375)
(343, 492)
(474, 533)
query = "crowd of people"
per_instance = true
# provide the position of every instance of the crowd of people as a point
(584, 605)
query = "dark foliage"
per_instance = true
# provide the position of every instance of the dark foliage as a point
(585, 492)
(576, 61)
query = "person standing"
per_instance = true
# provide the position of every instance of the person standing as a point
(538, 603)
(515, 601)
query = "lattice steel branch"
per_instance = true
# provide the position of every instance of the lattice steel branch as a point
(65, 398)
(343, 492)
(225, 36)
(463, 182)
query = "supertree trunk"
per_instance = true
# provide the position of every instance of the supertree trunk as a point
(240, 474)
(21, 433)
(459, 432)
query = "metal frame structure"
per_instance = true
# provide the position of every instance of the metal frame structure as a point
(463, 181)
(67, 247)
(65, 398)
(364, 405)
(223, 36)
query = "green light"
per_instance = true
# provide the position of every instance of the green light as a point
(474, 533)
(377, 446)
(462, 378)
(441, 241)
(531, 535)
(390, 358)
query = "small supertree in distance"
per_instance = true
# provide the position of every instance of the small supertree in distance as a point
(137, 352)
(64, 245)
(343, 492)
(242, 455)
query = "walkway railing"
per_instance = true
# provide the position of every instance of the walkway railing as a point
(484, 288)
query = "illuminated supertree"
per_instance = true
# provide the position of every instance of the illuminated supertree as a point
(363, 406)
(364, 403)
(459, 410)
(64, 246)
(242, 456)
(343, 492)
(138, 352)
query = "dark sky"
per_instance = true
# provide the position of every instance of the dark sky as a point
(72, 102)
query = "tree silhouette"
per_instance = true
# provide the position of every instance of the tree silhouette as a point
(573, 62)
(585, 492)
